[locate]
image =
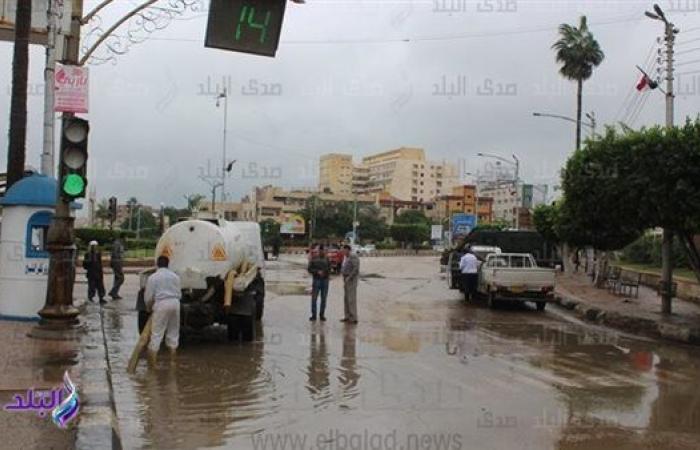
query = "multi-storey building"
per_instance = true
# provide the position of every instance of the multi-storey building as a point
(403, 173)
(336, 174)
(463, 200)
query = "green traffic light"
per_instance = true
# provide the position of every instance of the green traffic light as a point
(73, 185)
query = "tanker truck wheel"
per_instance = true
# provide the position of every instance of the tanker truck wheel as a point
(240, 325)
(259, 285)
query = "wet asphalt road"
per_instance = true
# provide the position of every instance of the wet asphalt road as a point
(422, 370)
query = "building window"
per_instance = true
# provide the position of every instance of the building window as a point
(37, 229)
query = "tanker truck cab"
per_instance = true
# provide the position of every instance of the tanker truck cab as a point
(222, 274)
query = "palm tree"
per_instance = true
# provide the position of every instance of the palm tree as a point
(102, 212)
(193, 201)
(578, 52)
(16, 152)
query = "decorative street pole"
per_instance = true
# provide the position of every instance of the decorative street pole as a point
(59, 316)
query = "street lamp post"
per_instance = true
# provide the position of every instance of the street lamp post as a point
(223, 95)
(590, 116)
(670, 32)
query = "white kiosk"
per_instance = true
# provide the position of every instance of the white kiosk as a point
(28, 207)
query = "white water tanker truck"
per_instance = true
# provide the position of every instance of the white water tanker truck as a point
(222, 274)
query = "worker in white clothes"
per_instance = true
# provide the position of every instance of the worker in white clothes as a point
(162, 297)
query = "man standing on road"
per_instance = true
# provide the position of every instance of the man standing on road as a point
(116, 261)
(162, 296)
(92, 263)
(350, 270)
(319, 268)
(469, 267)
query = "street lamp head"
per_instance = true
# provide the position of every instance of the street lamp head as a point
(659, 12)
(651, 15)
(536, 114)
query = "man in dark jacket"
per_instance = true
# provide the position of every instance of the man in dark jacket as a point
(351, 275)
(319, 268)
(92, 263)
(116, 261)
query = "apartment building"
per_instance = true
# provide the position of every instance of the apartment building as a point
(272, 202)
(336, 174)
(463, 200)
(513, 206)
(404, 173)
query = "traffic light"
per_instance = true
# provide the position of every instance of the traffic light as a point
(74, 154)
(248, 26)
(112, 209)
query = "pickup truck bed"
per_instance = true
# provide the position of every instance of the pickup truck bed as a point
(531, 283)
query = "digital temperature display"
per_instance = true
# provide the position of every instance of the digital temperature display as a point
(248, 26)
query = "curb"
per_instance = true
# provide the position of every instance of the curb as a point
(98, 426)
(631, 324)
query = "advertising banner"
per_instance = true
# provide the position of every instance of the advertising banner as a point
(72, 89)
(462, 225)
(292, 224)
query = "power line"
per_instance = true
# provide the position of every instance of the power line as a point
(414, 39)
(688, 62)
(629, 99)
(687, 42)
(688, 51)
(642, 104)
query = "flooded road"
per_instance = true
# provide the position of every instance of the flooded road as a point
(422, 370)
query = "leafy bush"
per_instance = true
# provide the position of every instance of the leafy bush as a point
(647, 250)
(103, 236)
(141, 244)
(386, 245)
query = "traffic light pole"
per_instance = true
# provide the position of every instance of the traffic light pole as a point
(59, 316)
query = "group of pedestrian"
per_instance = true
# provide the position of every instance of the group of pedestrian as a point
(92, 263)
(162, 293)
(319, 267)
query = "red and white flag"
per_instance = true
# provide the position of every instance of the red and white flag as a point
(646, 83)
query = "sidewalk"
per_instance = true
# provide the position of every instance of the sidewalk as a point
(32, 363)
(640, 315)
(27, 363)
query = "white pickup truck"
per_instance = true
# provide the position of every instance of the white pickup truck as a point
(516, 277)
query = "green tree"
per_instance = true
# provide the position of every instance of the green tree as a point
(622, 184)
(193, 201)
(102, 212)
(412, 234)
(412, 216)
(270, 231)
(142, 220)
(546, 221)
(578, 53)
(332, 220)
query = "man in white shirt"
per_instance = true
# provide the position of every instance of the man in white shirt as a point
(162, 296)
(469, 268)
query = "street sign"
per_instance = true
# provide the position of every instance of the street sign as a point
(462, 224)
(436, 232)
(247, 26)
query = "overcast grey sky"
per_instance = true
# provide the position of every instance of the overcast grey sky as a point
(360, 77)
